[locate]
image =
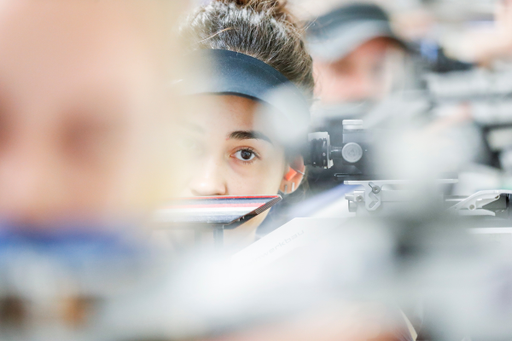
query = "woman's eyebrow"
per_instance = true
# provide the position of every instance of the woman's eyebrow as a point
(247, 135)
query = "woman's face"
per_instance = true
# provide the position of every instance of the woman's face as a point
(231, 150)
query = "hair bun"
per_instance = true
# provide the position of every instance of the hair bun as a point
(263, 29)
(275, 8)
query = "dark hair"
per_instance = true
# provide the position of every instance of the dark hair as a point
(263, 29)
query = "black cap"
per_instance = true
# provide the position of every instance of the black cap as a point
(337, 33)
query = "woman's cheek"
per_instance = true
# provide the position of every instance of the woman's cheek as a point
(245, 167)
(256, 178)
(243, 186)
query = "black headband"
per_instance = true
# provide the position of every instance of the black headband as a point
(242, 75)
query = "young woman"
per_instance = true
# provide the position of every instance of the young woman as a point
(261, 73)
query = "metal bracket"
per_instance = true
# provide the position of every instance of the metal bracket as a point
(473, 205)
(373, 191)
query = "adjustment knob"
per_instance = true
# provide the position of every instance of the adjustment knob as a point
(352, 152)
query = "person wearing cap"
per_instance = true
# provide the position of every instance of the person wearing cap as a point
(353, 47)
(256, 91)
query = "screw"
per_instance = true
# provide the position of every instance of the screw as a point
(375, 189)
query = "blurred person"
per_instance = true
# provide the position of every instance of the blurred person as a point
(81, 120)
(85, 155)
(359, 63)
(255, 49)
(356, 54)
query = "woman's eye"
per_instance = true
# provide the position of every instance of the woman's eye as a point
(245, 155)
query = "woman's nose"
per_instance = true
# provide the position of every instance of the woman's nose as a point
(209, 180)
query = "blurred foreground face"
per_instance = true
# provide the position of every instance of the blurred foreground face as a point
(364, 74)
(78, 86)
